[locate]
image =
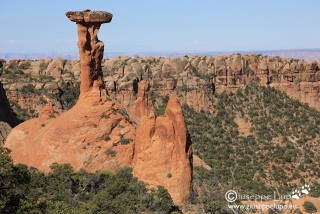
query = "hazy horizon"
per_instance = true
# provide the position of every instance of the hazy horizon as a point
(163, 26)
(305, 54)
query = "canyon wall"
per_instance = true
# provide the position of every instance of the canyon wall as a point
(192, 78)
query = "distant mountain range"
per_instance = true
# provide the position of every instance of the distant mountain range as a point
(305, 54)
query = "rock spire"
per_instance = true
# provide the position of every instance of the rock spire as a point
(90, 47)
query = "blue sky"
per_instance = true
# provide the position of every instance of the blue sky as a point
(164, 26)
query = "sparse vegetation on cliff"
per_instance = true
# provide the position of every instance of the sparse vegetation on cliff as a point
(27, 190)
(125, 140)
(279, 150)
(111, 152)
(69, 95)
(163, 102)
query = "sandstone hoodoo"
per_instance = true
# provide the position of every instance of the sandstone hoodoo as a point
(163, 152)
(98, 133)
(90, 48)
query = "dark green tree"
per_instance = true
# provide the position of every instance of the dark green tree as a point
(14, 180)
(309, 207)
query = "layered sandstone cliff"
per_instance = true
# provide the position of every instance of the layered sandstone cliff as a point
(98, 133)
(192, 78)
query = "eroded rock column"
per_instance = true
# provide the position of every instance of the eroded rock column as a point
(90, 47)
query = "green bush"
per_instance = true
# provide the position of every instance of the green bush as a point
(124, 141)
(111, 152)
(309, 207)
(122, 112)
(106, 138)
(161, 108)
(62, 190)
(29, 89)
(272, 115)
(69, 95)
(51, 116)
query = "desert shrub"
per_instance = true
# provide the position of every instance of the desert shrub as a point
(51, 116)
(161, 108)
(45, 78)
(29, 89)
(273, 116)
(106, 138)
(122, 112)
(309, 207)
(111, 152)
(69, 95)
(62, 190)
(125, 141)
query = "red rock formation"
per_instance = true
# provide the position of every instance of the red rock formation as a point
(48, 111)
(298, 78)
(143, 106)
(163, 152)
(90, 48)
(98, 134)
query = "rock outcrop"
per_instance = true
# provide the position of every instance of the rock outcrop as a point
(143, 106)
(165, 138)
(98, 133)
(90, 48)
(193, 78)
(7, 119)
(5, 129)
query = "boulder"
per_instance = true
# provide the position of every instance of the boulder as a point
(57, 63)
(5, 129)
(52, 87)
(36, 67)
(134, 67)
(173, 66)
(56, 72)
(76, 69)
(311, 66)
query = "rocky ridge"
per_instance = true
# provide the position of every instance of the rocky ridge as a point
(98, 133)
(192, 79)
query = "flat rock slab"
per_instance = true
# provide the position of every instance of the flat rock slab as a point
(89, 16)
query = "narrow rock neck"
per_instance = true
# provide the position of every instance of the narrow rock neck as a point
(91, 53)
